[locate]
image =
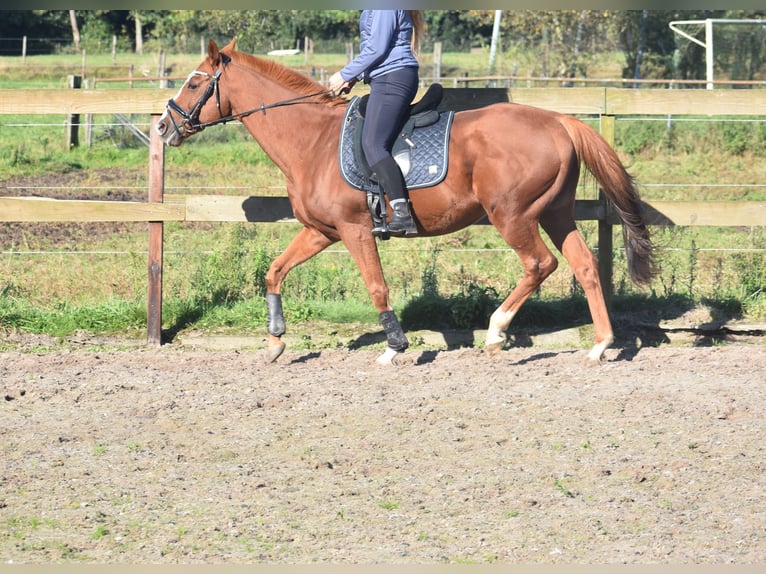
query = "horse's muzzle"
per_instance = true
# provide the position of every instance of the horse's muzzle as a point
(168, 131)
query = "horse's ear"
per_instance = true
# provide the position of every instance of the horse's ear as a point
(213, 54)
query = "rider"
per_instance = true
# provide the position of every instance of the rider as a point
(387, 61)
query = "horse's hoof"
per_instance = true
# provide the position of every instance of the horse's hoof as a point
(388, 357)
(274, 351)
(493, 348)
(596, 354)
(593, 361)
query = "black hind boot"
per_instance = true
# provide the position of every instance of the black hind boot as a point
(392, 183)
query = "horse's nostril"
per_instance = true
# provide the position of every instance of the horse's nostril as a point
(161, 127)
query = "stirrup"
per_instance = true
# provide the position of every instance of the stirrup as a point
(382, 231)
(377, 206)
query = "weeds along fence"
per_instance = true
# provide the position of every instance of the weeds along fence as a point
(608, 104)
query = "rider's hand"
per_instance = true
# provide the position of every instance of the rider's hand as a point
(338, 85)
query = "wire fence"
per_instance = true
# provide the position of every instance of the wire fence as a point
(31, 46)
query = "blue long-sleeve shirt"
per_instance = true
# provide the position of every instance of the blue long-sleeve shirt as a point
(385, 37)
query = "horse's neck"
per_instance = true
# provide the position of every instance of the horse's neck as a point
(288, 134)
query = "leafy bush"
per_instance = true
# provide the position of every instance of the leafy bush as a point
(470, 308)
(234, 273)
(635, 137)
(691, 136)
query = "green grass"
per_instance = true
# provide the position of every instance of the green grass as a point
(62, 319)
(390, 504)
(563, 488)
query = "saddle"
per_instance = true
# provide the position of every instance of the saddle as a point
(420, 149)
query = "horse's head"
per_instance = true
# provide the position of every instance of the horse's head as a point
(199, 99)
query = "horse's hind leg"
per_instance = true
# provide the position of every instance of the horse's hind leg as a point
(538, 262)
(584, 265)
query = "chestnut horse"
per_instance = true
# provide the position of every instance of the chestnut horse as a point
(516, 164)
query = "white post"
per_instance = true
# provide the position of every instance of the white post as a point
(709, 52)
(493, 45)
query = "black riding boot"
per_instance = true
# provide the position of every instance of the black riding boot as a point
(402, 224)
(392, 183)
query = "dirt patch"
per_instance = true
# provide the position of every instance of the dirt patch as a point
(180, 455)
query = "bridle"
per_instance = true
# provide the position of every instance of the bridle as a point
(191, 124)
(190, 120)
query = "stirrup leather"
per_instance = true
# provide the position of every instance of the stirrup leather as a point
(377, 208)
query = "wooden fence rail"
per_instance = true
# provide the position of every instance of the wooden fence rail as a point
(272, 209)
(606, 103)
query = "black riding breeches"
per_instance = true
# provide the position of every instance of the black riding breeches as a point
(387, 110)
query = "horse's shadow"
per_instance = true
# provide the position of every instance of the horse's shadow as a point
(454, 340)
(306, 358)
(638, 323)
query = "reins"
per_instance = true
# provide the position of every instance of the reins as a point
(191, 118)
(262, 108)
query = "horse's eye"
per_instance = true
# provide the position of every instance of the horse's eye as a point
(193, 86)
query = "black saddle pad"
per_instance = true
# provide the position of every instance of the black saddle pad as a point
(427, 148)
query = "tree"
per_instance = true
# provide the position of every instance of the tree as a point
(459, 30)
(139, 32)
(562, 39)
(75, 30)
(42, 25)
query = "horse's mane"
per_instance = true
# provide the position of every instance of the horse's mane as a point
(288, 77)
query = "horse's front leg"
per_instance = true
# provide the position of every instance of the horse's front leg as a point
(304, 246)
(363, 248)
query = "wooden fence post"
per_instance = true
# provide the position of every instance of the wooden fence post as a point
(605, 241)
(73, 120)
(156, 230)
(349, 51)
(437, 61)
(308, 49)
(161, 72)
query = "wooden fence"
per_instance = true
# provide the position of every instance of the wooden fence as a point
(606, 103)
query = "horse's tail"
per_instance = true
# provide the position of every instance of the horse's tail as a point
(619, 187)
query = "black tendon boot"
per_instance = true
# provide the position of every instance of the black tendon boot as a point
(392, 183)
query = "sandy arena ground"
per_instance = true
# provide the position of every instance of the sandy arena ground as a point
(182, 455)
